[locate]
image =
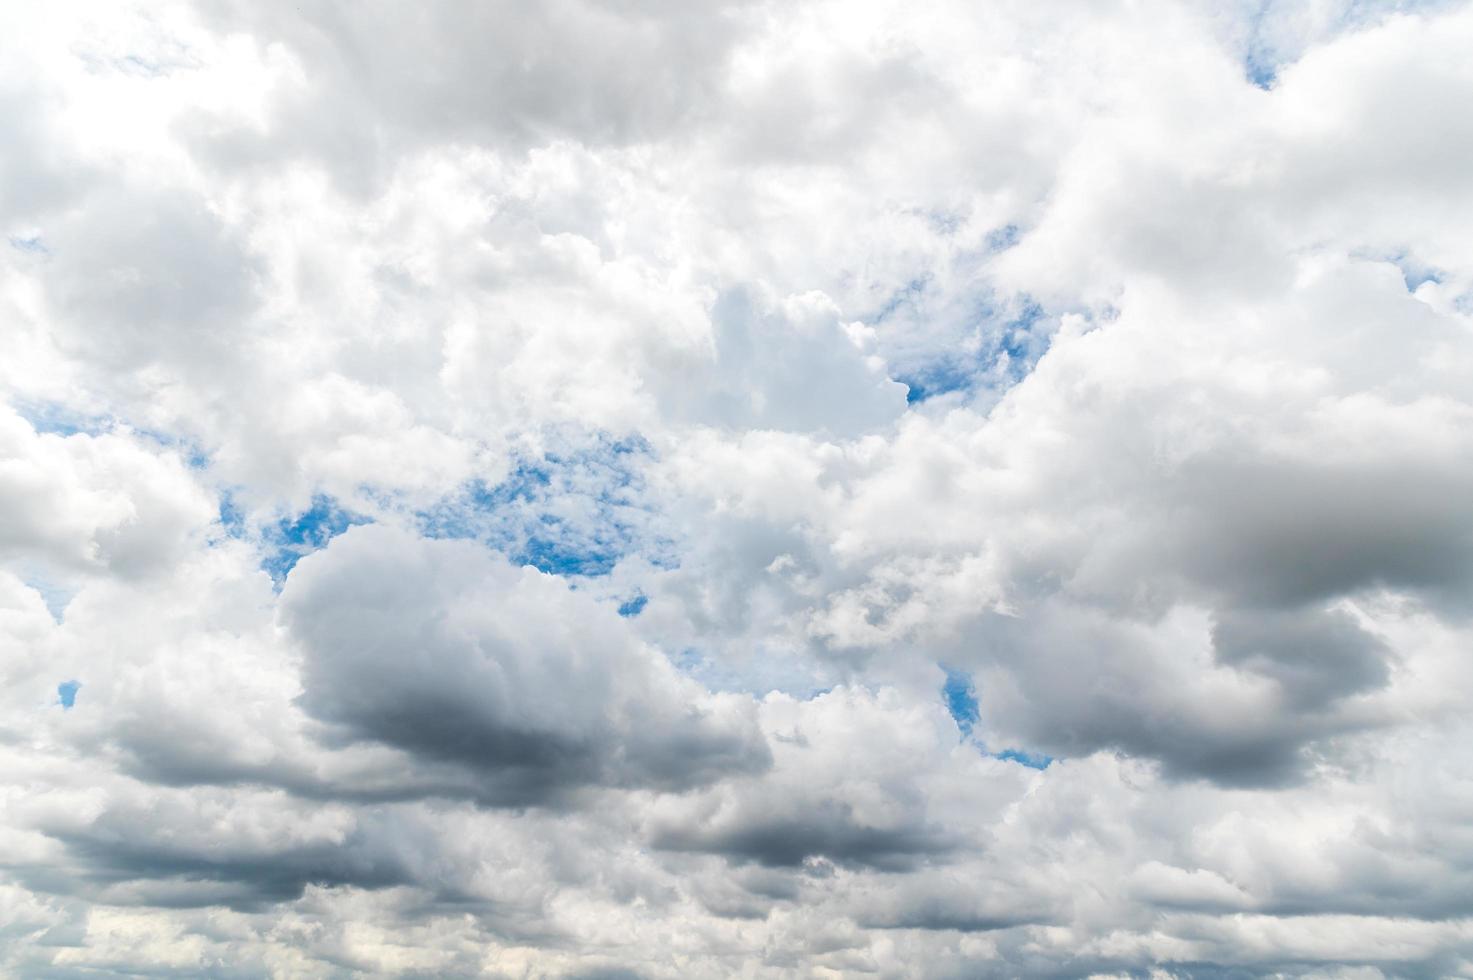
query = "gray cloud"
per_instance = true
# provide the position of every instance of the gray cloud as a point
(1285, 532)
(382, 79)
(148, 278)
(828, 831)
(1315, 657)
(452, 655)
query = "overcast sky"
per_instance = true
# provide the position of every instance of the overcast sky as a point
(664, 489)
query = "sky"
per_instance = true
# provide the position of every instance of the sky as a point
(760, 488)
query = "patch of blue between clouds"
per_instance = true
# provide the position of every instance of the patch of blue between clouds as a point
(1259, 65)
(189, 451)
(57, 597)
(1414, 273)
(232, 518)
(938, 379)
(961, 699)
(1262, 62)
(948, 326)
(575, 513)
(295, 536)
(1415, 279)
(1004, 238)
(66, 693)
(1029, 759)
(633, 607)
(959, 692)
(1007, 358)
(50, 419)
(1260, 69)
(53, 419)
(31, 244)
(553, 555)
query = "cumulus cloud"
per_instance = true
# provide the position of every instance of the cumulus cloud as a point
(81, 502)
(452, 656)
(620, 490)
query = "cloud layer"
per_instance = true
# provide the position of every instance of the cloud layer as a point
(593, 489)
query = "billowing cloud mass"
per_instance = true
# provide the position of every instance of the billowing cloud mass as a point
(768, 489)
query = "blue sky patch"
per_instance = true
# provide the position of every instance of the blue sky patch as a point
(558, 557)
(1415, 273)
(938, 379)
(1260, 66)
(1260, 69)
(574, 512)
(1276, 38)
(1013, 348)
(56, 596)
(1004, 238)
(633, 607)
(66, 693)
(31, 244)
(232, 517)
(291, 538)
(190, 451)
(1033, 760)
(52, 419)
(960, 695)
